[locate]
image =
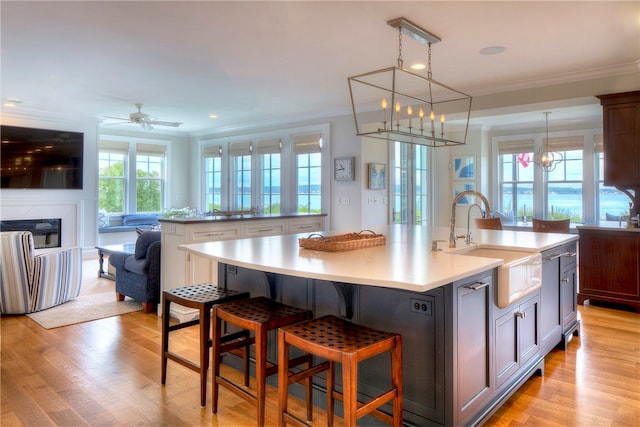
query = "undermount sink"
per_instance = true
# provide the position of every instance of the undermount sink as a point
(520, 275)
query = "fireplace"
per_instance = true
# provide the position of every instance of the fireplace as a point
(47, 233)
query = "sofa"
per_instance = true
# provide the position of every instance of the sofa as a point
(138, 274)
(31, 282)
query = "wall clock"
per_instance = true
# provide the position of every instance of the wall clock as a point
(344, 168)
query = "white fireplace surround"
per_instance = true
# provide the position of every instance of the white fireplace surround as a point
(69, 211)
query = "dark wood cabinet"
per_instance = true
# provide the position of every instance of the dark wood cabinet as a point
(609, 266)
(621, 121)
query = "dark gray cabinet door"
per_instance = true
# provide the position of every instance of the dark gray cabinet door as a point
(569, 295)
(419, 317)
(506, 352)
(472, 357)
(569, 289)
(517, 338)
(550, 317)
(528, 332)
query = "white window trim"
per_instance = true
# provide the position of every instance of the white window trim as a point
(589, 178)
(288, 168)
(119, 141)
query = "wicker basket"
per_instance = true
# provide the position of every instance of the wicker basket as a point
(343, 242)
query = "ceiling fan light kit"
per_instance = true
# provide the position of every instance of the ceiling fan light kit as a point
(396, 104)
(143, 119)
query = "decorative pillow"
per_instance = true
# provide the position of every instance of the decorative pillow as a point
(103, 220)
(139, 219)
(505, 217)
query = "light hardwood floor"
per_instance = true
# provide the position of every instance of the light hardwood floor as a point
(107, 372)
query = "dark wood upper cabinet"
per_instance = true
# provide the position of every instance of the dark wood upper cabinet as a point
(621, 120)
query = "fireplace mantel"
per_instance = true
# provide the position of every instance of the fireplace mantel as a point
(69, 211)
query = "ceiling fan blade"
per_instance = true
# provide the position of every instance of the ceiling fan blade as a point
(118, 123)
(161, 123)
(117, 118)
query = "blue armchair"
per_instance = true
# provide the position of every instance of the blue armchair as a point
(138, 275)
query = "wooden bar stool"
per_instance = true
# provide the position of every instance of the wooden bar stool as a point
(488, 223)
(551, 226)
(202, 297)
(258, 315)
(337, 340)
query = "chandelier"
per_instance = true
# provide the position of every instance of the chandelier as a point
(544, 157)
(400, 105)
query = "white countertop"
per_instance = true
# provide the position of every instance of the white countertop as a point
(611, 226)
(406, 261)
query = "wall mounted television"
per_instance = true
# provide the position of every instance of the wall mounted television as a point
(41, 158)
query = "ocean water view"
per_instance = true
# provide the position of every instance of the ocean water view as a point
(567, 204)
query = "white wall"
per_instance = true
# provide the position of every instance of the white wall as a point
(76, 207)
(80, 207)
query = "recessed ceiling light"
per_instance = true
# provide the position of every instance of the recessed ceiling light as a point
(213, 116)
(492, 50)
(11, 102)
(418, 66)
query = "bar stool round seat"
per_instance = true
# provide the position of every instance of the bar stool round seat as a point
(259, 316)
(337, 340)
(202, 297)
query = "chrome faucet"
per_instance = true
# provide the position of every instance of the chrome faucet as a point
(468, 238)
(452, 223)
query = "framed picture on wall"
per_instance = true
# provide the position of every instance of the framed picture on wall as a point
(464, 176)
(464, 168)
(377, 176)
(459, 187)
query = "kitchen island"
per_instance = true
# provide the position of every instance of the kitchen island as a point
(181, 268)
(463, 354)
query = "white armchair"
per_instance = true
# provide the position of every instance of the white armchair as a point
(29, 282)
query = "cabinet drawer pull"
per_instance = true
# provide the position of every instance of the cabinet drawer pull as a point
(565, 280)
(556, 256)
(263, 230)
(477, 285)
(215, 234)
(521, 314)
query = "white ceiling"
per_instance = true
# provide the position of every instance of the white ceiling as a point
(268, 62)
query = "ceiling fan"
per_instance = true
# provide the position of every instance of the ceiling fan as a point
(142, 119)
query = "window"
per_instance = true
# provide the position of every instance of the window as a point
(212, 157)
(516, 179)
(120, 191)
(308, 157)
(571, 190)
(149, 181)
(270, 175)
(112, 180)
(564, 185)
(240, 155)
(275, 172)
(411, 184)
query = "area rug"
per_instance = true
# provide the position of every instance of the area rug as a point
(85, 308)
